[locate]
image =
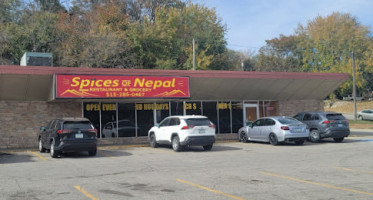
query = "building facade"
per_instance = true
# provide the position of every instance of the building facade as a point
(124, 104)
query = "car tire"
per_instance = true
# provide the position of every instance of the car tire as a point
(299, 142)
(340, 139)
(176, 143)
(207, 147)
(243, 137)
(360, 117)
(273, 139)
(314, 136)
(92, 152)
(153, 141)
(41, 148)
(54, 153)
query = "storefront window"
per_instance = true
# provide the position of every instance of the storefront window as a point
(237, 116)
(92, 112)
(108, 120)
(126, 120)
(177, 108)
(145, 117)
(210, 111)
(268, 108)
(162, 111)
(224, 117)
(193, 108)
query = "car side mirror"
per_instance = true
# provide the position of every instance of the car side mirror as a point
(42, 128)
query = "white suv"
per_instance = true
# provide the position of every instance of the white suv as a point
(182, 131)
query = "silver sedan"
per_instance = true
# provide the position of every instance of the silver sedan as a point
(275, 130)
(365, 115)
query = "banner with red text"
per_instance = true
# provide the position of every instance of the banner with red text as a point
(103, 86)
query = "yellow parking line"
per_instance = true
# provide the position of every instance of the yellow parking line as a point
(354, 170)
(316, 183)
(40, 156)
(209, 189)
(80, 189)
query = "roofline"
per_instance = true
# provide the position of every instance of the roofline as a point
(44, 70)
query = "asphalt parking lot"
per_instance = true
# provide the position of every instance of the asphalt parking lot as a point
(233, 170)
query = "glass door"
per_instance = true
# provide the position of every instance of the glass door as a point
(251, 113)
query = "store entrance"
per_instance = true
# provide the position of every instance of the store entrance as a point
(251, 113)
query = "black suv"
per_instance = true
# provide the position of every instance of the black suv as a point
(325, 125)
(68, 135)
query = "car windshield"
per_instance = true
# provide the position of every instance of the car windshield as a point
(77, 125)
(198, 122)
(335, 117)
(288, 121)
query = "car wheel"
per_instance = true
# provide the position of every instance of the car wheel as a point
(176, 143)
(243, 137)
(299, 142)
(153, 142)
(41, 148)
(92, 152)
(273, 139)
(207, 147)
(314, 136)
(360, 117)
(338, 139)
(53, 152)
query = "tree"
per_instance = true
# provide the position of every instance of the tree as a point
(166, 42)
(328, 45)
(280, 54)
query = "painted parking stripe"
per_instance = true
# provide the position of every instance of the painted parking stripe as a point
(40, 156)
(80, 189)
(316, 183)
(209, 189)
(353, 170)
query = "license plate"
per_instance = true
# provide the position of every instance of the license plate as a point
(201, 130)
(297, 130)
(79, 135)
(340, 125)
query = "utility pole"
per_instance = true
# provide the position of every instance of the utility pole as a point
(354, 84)
(194, 56)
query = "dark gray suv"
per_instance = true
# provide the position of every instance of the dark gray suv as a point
(325, 125)
(68, 135)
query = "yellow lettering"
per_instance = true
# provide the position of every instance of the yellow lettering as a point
(107, 83)
(99, 83)
(76, 82)
(84, 83)
(157, 84)
(139, 82)
(115, 83)
(149, 83)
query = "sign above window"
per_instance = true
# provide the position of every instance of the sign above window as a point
(118, 87)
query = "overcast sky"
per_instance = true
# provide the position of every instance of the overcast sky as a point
(251, 22)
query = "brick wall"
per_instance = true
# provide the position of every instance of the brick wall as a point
(292, 107)
(20, 121)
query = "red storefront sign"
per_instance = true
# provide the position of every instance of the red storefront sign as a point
(102, 86)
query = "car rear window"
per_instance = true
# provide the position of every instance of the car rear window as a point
(198, 122)
(335, 117)
(288, 121)
(77, 125)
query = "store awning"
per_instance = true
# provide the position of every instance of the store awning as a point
(29, 83)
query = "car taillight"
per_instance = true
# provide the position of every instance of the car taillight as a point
(187, 127)
(285, 128)
(328, 121)
(212, 126)
(92, 130)
(63, 131)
